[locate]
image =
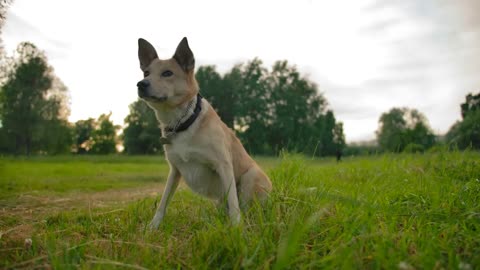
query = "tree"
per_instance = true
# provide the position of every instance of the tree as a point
(472, 104)
(33, 105)
(469, 131)
(295, 104)
(392, 126)
(339, 137)
(272, 110)
(402, 126)
(466, 133)
(252, 114)
(142, 132)
(104, 136)
(95, 136)
(3, 17)
(83, 135)
(325, 131)
(56, 137)
(214, 88)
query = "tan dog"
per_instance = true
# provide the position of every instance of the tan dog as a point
(198, 145)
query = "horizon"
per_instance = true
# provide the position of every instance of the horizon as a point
(365, 59)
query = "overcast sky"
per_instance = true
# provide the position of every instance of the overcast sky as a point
(366, 56)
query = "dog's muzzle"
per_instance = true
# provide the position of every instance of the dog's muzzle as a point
(144, 91)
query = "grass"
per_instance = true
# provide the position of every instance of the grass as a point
(82, 173)
(382, 212)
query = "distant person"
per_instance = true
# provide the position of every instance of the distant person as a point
(339, 155)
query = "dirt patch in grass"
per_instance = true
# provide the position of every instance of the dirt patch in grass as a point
(19, 215)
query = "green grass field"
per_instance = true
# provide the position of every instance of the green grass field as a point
(383, 212)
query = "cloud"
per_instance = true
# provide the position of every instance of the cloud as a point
(19, 30)
(433, 48)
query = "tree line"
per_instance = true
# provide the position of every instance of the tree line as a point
(270, 109)
(407, 130)
(273, 109)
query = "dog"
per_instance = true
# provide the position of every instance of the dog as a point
(198, 146)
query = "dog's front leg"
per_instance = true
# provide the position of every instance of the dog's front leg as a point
(171, 186)
(230, 188)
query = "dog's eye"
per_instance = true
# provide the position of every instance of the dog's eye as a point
(146, 73)
(167, 73)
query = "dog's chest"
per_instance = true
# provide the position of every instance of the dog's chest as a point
(195, 169)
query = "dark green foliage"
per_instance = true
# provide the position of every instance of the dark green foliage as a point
(472, 104)
(57, 136)
(95, 136)
(273, 110)
(83, 135)
(104, 136)
(325, 128)
(296, 105)
(338, 136)
(141, 134)
(253, 109)
(218, 93)
(402, 126)
(33, 106)
(466, 133)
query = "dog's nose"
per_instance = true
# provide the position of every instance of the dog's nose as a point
(143, 84)
(143, 88)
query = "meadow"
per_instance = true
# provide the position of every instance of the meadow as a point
(404, 211)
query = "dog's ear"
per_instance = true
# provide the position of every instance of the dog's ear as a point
(184, 56)
(146, 53)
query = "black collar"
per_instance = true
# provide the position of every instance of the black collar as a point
(183, 126)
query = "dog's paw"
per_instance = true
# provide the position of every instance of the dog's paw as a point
(154, 224)
(236, 220)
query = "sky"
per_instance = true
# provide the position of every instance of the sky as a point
(366, 56)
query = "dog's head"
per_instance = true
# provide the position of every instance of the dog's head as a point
(168, 82)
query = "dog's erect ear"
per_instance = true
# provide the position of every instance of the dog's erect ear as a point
(146, 53)
(184, 56)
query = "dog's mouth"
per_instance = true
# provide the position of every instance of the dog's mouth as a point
(148, 97)
(156, 99)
